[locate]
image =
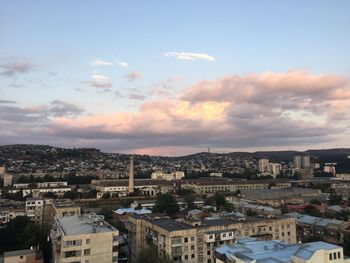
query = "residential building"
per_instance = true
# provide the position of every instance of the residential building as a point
(7, 178)
(297, 162)
(194, 240)
(84, 238)
(248, 250)
(23, 256)
(275, 169)
(35, 209)
(329, 230)
(9, 212)
(264, 166)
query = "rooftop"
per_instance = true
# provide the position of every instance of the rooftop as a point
(250, 249)
(19, 252)
(84, 224)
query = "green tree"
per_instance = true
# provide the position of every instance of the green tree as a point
(189, 199)
(30, 236)
(219, 200)
(165, 203)
(335, 199)
(229, 207)
(150, 255)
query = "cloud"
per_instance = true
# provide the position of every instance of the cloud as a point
(290, 109)
(99, 82)
(101, 63)
(11, 69)
(121, 63)
(189, 56)
(132, 76)
(136, 96)
(7, 102)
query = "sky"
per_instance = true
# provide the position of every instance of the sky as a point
(175, 77)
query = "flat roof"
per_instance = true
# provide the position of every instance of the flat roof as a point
(19, 252)
(84, 224)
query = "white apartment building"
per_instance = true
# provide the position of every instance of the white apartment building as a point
(84, 238)
(264, 165)
(35, 209)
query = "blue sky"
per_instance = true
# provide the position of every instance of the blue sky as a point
(51, 48)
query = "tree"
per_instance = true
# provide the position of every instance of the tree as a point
(150, 255)
(71, 195)
(335, 199)
(311, 210)
(315, 202)
(106, 195)
(189, 199)
(166, 204)
(219, 200)
(229, 207)
(50, 195)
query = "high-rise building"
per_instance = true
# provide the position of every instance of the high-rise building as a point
(264, 165)
(297, 162)
(84, 238)
(306, 161)
(131, 175)
(275, 169)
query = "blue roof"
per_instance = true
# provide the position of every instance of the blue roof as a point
(249, 249)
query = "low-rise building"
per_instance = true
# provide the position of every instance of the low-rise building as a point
(194, 240)
(23, 256)
(329, 230)
(249, 250)
(178, 175)
(84, 238)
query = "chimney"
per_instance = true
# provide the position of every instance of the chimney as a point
(131, 175)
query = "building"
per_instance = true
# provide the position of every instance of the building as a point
(329, 230)
(306, 162)
(84, 238)
(297, 162)
(10, 212)
(178, 175)
(194, 240)
(131, 186)
(65, 207)
(7, 178)
(275, 169)
(248, 250)
(213, 185)
(23, 256)
(330, 168)
(264, 166)
(35, 209)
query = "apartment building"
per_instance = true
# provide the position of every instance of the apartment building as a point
(329, 230)
(249, 250)
(35, 209)
(84, 238)
(194, 240)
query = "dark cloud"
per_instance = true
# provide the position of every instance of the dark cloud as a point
(134, 96)
(11, 69)
(60, 108)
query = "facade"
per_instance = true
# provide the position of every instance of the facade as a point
(194, 240)
(85, 238)
(39, 192)
(250, 250)
(211, 186)
(35, 209)
(264, 166)
(297, 162)
(23, 256)
(7, 179)
(8, 213)
(275, 169)
(329, 230)
(178, 175)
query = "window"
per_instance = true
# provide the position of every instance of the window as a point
(186, 239)
(208, 252)
(224, 235)
(338, 254)
(186, 256)
(192, 238)
(192, 256)
(88, 241)
(330, 256)
(335, 255)
(288, 233)
(230, 234)
(69, 254)
(210, 236)
(192, 247)
(87, 252)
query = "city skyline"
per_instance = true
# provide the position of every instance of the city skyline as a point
(175, 78)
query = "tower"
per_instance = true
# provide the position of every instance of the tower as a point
(131, 175)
